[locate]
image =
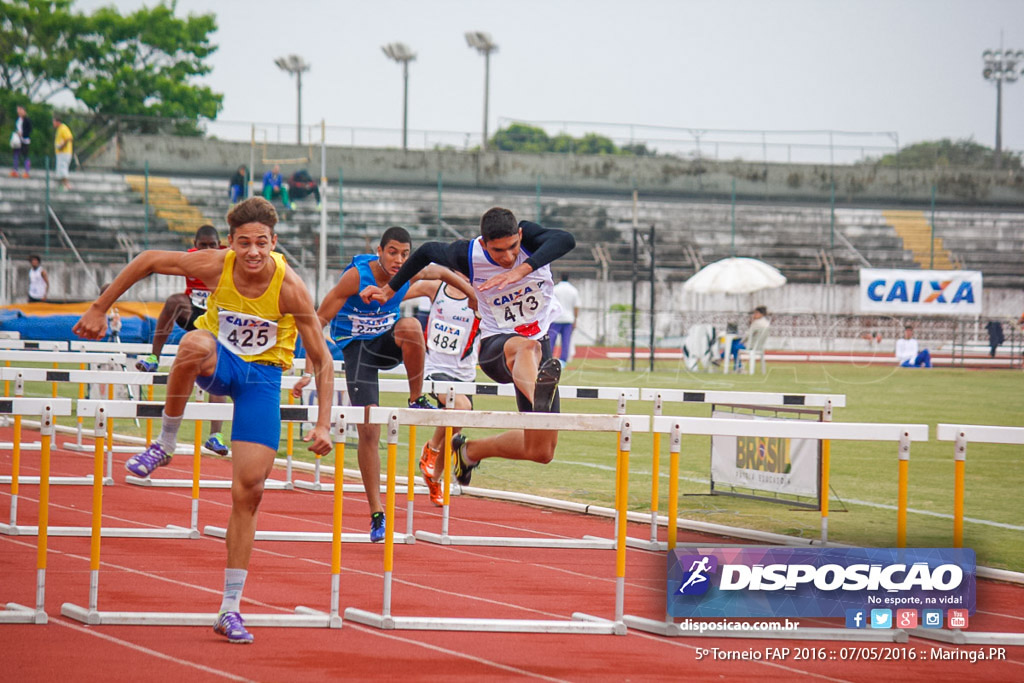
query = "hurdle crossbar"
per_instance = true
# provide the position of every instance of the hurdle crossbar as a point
(28, 345)
(45, 408)
(495, 420)
(677, 427)
(303, 617)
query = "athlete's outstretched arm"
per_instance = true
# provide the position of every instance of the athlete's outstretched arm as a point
(204, 265)
(295, 299)
(347, 286)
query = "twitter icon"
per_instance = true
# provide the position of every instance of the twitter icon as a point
(881, 618)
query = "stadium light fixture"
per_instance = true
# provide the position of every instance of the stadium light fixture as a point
(401, 53)
(1001, 66)
(295, 65)
(482, 43)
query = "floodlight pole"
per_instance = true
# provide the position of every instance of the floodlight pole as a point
(401, 53)
(485, 45)
(1001, 65)
(295, 65)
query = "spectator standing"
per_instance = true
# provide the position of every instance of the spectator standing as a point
(274, 186)
(562, 327)
(63, 147)
(236, 186)
(907, 353)
(302, 185)
(20, 140)
(38, 280)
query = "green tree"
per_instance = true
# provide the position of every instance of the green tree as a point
(947, 153)
(144, 64)
(521, 138)
(592, 143)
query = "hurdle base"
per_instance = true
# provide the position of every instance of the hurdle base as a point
(269, 484)
(90, 448)
(958, 637)
(208, 619)
(516, 541)
(309, 536)
(170, 531)
(671, 629)
(638, 543)
(335, 620)
(55, 481)
(480, 625)
(350, 488)
(25, 445)
(19, 614)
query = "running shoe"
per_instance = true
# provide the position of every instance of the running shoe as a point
(148, 363)
(216, 444)
(428, 466)
(548, 374)
(25, 174)
(462, 470)
(423, 403)
(232, 626)
(377, 527)
(143, 464)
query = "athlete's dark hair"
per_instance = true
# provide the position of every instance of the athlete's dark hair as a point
(207, 231)
(498, 223)
(252, 210)
(395, 234)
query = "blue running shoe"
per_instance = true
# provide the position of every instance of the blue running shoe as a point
(377, 527)
(232, 626)
(422, 403)
(148, 363)
(216, 444)
(143, 464)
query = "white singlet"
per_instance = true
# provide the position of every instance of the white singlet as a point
(453, 345)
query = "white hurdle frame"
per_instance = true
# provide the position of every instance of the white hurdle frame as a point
(767, 399)
(501, 420)
(620, 394)
(15, 613)
(304, 617)
(902, 434)
(960, 435)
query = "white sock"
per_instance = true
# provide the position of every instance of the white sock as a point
(234, 582)
(168, 438)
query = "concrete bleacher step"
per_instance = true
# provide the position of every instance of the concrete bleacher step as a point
(917, 234)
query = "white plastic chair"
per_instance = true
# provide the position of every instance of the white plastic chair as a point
(755, 348)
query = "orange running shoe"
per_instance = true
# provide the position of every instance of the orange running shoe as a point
(428, 466)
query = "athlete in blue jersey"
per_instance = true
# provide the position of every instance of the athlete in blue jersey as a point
(373, 337)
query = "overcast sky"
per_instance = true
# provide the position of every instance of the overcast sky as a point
(912, 67)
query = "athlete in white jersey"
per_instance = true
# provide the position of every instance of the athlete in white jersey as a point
(453, 350)
(507, 266)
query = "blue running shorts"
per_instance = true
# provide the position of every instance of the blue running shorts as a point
(255, 389)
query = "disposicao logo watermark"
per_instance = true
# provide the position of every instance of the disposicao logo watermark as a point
(821, 582)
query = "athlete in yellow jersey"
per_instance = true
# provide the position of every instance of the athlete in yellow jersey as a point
(241, 345)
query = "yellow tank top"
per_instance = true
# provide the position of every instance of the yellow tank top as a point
(252, 329)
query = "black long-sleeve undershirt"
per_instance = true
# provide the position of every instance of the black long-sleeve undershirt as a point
(544, 245)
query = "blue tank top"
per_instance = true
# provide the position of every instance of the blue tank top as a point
(359, 320)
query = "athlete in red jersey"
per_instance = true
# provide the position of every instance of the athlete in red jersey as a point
(185, 309)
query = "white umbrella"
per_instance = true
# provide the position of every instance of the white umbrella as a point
(734, 276)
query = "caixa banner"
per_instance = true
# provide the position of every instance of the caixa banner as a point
(925, 292)
(817, 582)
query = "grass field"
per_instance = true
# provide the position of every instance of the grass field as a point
(863, 473)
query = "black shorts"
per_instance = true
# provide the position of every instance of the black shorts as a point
(193, 317)
(492, 362)
(363, 359)
(445, 377)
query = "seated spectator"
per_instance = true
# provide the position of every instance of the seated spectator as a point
(756, 335)
(236, 187)
(907, 353)
(274, 186)
(303, 185)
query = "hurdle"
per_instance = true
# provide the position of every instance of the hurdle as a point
(348, 414)
(960, 435)
(752, 398)
(15, 613)
(619, 394)
(901, 434)
(585, 624)
(28, 345)
(304, 617)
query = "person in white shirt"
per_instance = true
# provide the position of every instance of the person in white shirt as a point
(907, 353)
(38, 281)
(562, 326)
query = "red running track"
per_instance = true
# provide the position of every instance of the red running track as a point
(430, 580)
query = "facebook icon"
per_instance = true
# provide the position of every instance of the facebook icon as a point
(856, 618)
